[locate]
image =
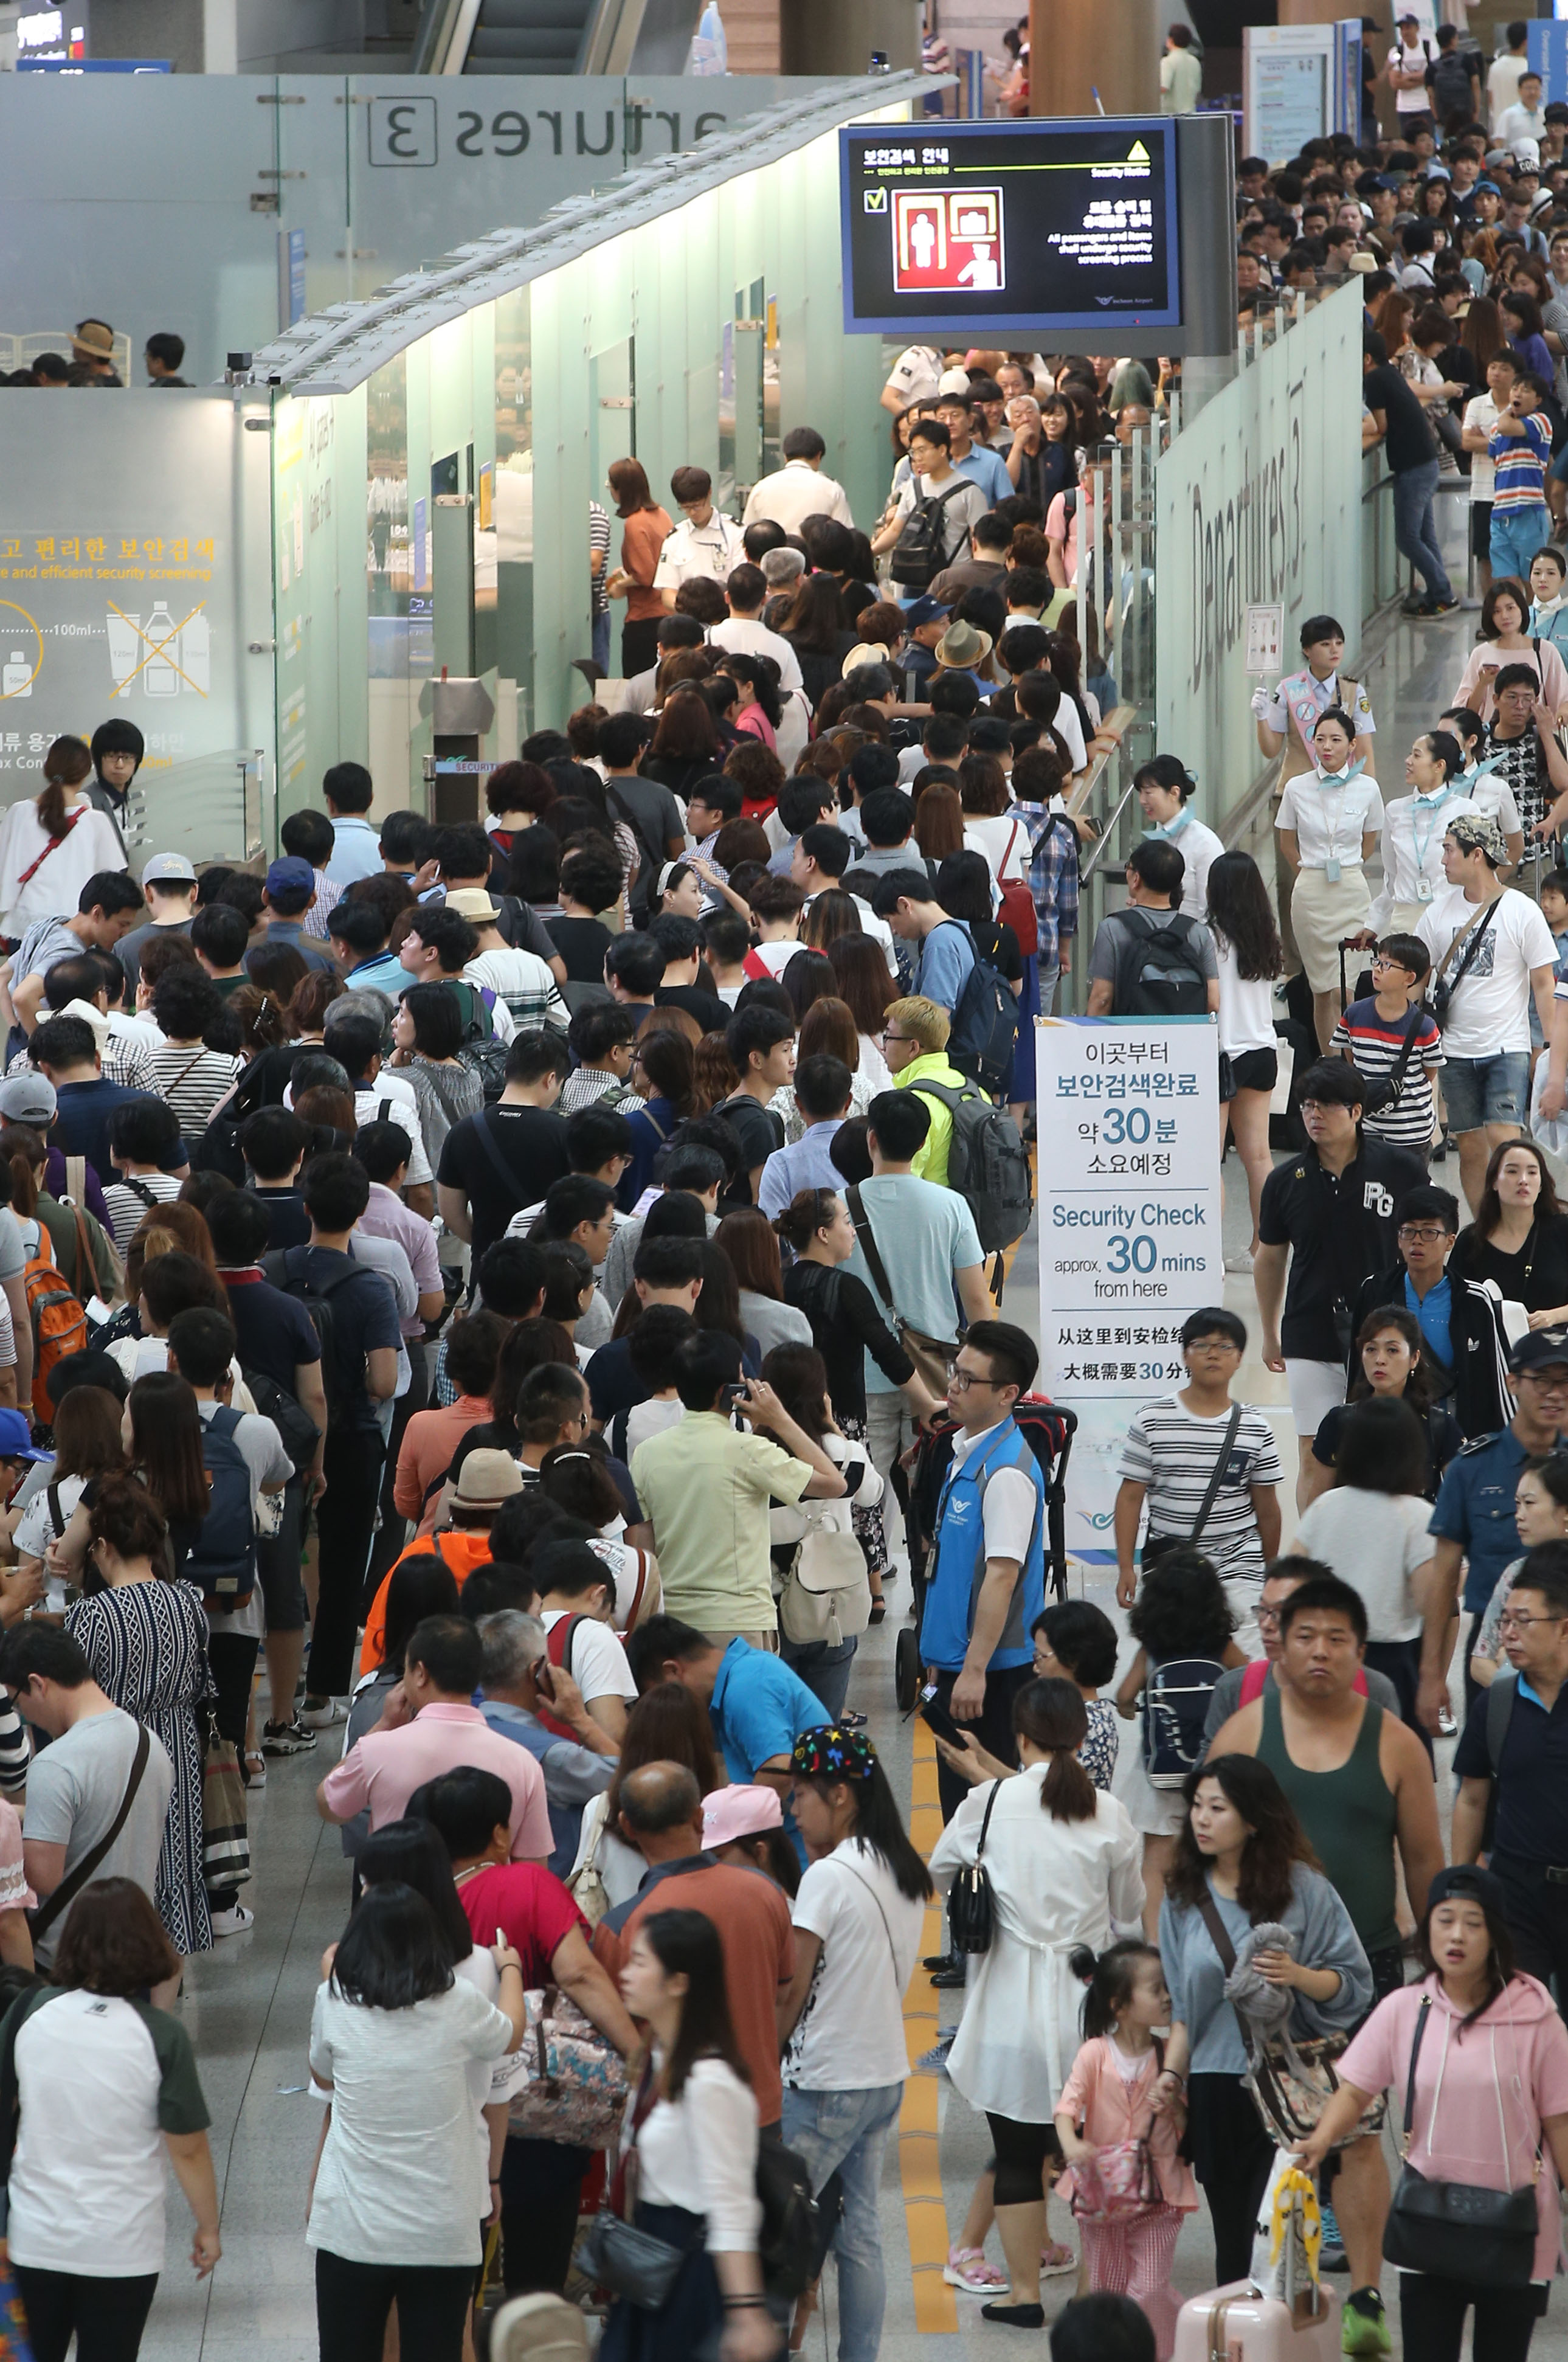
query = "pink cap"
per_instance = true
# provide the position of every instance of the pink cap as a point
(740, 1812)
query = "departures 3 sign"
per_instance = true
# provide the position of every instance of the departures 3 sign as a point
(406, 133)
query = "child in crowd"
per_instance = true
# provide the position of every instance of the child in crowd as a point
(1107, 2104)
(1180, 1618)
(1393, 1038)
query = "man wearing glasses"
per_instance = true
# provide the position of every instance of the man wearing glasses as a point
(1463, 1344)
(1474, 1518)
(914, 1043)
(1515, 1740)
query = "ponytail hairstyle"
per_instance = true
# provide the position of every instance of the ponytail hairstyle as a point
(26, 1156)
(1052, 1717)
(1111, 1981)
(809, 1211)
(66, 765)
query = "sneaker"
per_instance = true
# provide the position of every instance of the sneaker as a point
(967, 2268)
(287, 1737)
(1426, 614)
(935, 2060)
(1056, 2259)
(1241, 1262)
(1363, 2324)
(1332, 2256)
(323, 1717)
(235, 1920)
(1447, 1726)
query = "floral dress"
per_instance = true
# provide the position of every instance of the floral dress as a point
(147, 1644)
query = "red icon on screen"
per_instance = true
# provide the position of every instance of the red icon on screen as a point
(949, 238)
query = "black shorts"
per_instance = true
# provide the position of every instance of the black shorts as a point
(1253, 1070)
(1481, 531)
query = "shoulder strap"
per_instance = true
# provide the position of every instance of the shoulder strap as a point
(70, 1886)
(491, 1147)
(986, 1823)
(1471, 938)
(874, 1262)
(1500, 1701)
(892, 1949)
(1218, 1934)
(1419, 2036)
(1227, 1444)
(56, 1513)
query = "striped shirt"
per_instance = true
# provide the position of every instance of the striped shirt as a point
(599, 545)
(127, 1201)
(1172, 1451)
(193, 1079)
(1519, 465)
(1375, 1043)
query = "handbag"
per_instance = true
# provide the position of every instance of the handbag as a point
(971, 1906)
(571, 2080)
(1460, 2230)
(1121, 2179)
(1157, 1545)
(931, 1355)
(614, 2255)
(1290, 2081)
(226, 1836)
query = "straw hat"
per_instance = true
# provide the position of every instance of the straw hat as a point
(96, 338)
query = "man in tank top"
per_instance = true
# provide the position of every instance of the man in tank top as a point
(1361, 1788)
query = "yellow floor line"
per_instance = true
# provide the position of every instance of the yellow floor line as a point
(925, 2213)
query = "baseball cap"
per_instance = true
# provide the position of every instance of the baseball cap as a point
(953, 381)
(1466, 1881)
(290, 876)
(740, 1812)
(1543, 1349)
(473, 902)
(17, 1439)
(165, 867)
(1477, 831)
(28, 1099)
(926, 610)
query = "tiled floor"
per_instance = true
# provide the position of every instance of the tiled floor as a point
(248, 2005)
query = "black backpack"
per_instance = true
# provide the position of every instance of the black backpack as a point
(224, 1559)
(987, 1162)
(984, 1022)
(296, 1282)
(920, 552)
(1449, 79)
(1159, 969)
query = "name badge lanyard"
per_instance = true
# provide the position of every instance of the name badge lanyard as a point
(1432, 806)
(1342, 781)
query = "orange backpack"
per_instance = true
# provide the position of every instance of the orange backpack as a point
(58, 1321)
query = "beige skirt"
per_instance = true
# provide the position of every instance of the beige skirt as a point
(1322, 915)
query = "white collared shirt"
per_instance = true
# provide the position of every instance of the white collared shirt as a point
(1412, 850)
(1330, 816)
(711, 549)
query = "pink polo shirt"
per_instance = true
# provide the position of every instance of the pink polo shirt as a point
(385, 1767)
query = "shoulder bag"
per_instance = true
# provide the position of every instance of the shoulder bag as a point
(931, 1355)
(971, 1906)
(71, 1885)
(614, 2255)
(1289, 2083)
(571, 2080)
(1157, 1545)
(1121, 2179)
(1381, 1092)
(1458, 2230)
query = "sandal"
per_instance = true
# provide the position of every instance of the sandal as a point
(254, 1768)
(879, 1609)
(967, 2268)
(1056, 2259)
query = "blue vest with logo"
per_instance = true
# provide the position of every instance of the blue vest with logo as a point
(959, 1566)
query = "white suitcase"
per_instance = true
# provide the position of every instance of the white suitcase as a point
(1236, 2324)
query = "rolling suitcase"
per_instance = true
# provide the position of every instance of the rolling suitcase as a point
(1236, 2323)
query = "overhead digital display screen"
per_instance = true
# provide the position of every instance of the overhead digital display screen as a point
(1021, 228)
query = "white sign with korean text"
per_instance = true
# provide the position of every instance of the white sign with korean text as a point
(1129, 1230)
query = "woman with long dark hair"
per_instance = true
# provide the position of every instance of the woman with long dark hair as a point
(867, 991)
(1243, 1858)
(799, 1378)
(758, 709)
(685, 745)
(1505, 639)
(938, 829)
(817, 630)
(399, 2196)
(1489, 2056)
(857, 1918)
(1371, 1529)
(1182, 1610)
(427, 1031)
(664, 1072)
(51, 844)
(1519, 1236)
(644, 529)
(746, 1237)
(1064, 1862)
(1252, 959)
(827, 1030)
(1391, 1367)
(1521, 320)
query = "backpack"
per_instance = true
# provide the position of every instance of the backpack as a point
(920, 552)
(1449, 79)
(984, 1022)
(297, 1431)
(1159, 970)
(987, 1162)
(56, 1318)
(826, 1594)
(224, 1559)
(275, 1266)
(482, 1050)
(1176, 1708)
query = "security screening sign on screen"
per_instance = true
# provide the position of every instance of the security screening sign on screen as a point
(1010, 228)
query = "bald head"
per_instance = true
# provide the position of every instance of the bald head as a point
(661, 1811)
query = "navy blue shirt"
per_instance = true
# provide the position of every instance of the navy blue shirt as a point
(364, 1320)
(86, 1112)
(310, 948)
(1476, 1510)
(275, 1332)
(1532, 1775)
(288, 1224)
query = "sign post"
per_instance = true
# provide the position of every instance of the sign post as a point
(1130, 1235)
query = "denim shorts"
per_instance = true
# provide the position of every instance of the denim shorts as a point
(1478, 1091)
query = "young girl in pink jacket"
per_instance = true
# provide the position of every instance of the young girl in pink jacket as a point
(1108, 2103)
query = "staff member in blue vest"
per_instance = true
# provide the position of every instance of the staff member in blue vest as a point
(987, 1581)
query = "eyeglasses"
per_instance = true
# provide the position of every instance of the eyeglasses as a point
(1508, 1622)
(960, 1381)
(1427, 1234)
(895, 1037)
(1269, 1616)
(1390, 963)
(1213, 1345)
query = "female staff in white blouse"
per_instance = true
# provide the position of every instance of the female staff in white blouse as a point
(1329, 822)
(1413, 829)
(686, 2166)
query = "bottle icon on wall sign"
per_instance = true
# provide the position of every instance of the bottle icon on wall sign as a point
(161, 658)
(159, 677)
(16, 679)
(195, 639)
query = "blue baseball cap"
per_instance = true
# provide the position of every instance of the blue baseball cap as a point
(290, 876)
(926, 609)
(17, 1439)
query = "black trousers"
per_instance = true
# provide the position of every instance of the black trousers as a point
(232, 1657)
(639, 646)
(1021, 2152)
(1232, 2157)
(1431, 2316)
(1400, 1662)
(108, 2316)
(1537, 1912)
(541, 2183)
(392, 1531)
(345, 1519)
(994, 1728)
(352, 2301)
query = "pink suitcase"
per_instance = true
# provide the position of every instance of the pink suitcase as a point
(1235, 2323)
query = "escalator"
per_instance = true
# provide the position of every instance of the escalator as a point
(554, 36)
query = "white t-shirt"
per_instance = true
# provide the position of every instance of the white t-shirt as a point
(367, 1109)
(776, 957)
(1490, 1009)
(1004, 840)
(1503, 82)
(850, 2034)
(1480, 417)
(1246, 1005)
(1373, 1542)
(598, 1663)
(401, 2181)
(1412, 60)
(749, 635)
(102, 2081)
